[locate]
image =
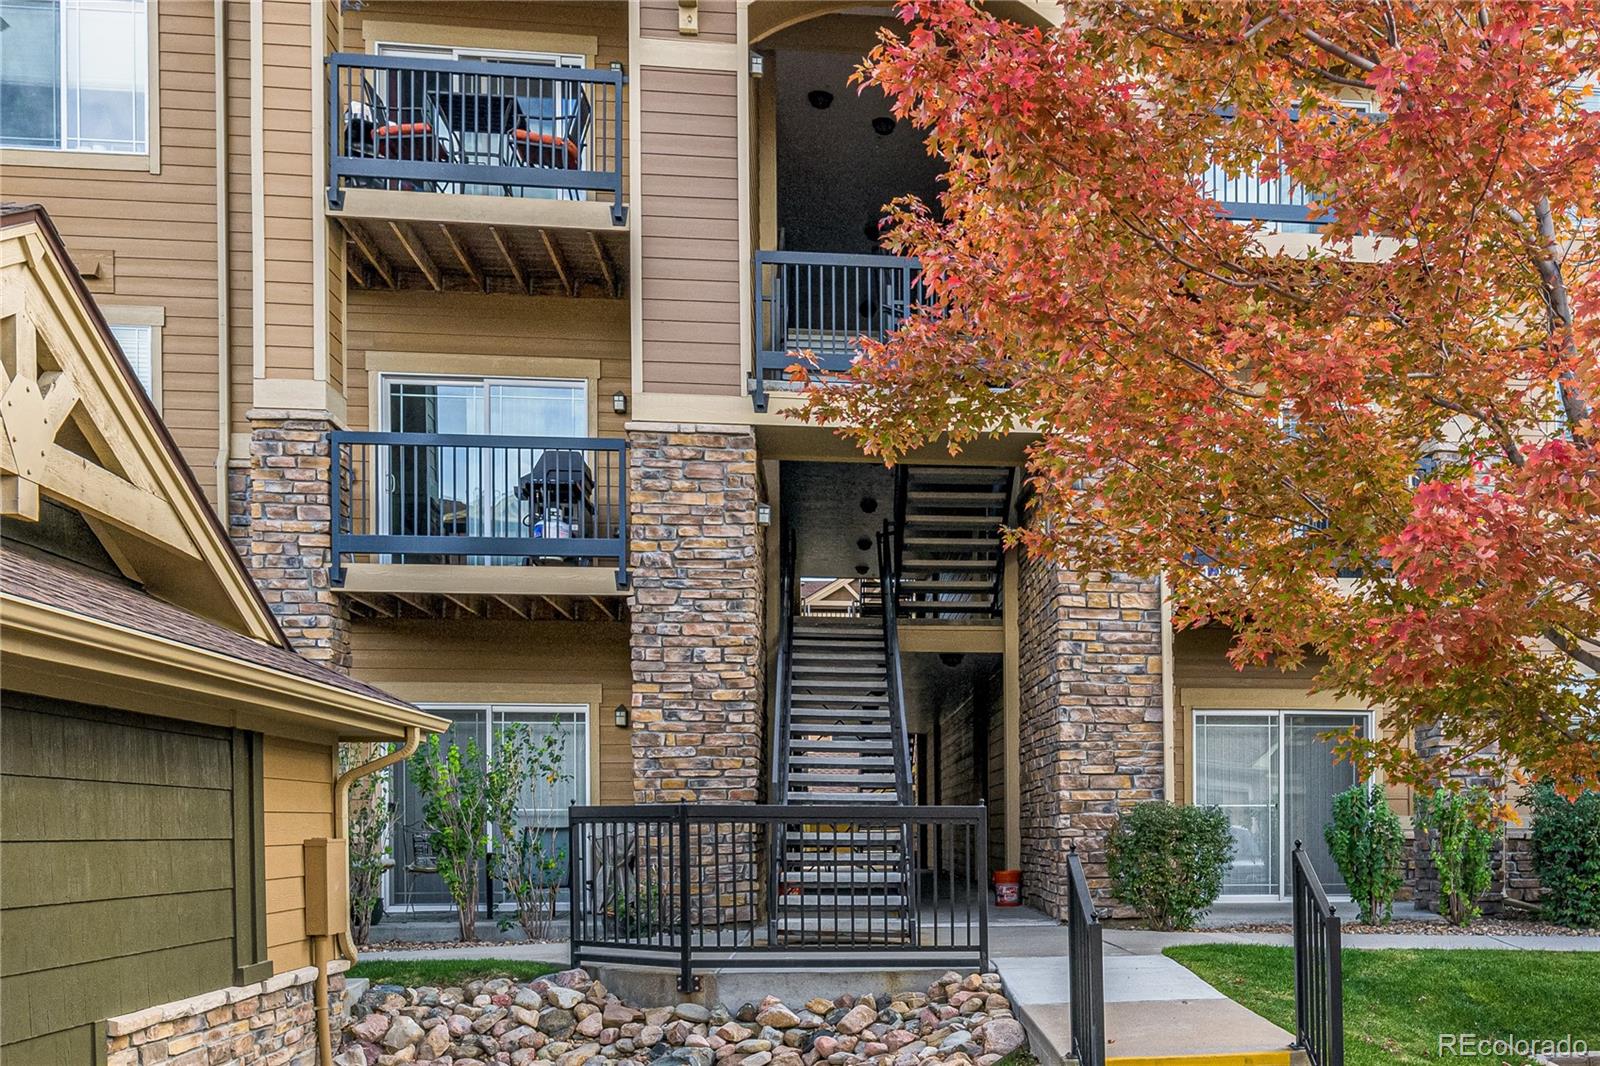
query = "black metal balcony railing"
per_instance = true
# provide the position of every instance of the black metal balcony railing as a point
(462, 498)
(474, 128)
(686, 885)
(825, 303)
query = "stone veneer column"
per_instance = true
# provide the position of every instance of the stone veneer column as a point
(696, 613)
(1091, 721)
(289, 541)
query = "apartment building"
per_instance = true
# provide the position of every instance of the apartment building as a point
(472, 321)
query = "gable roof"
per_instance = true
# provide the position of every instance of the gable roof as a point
(79, 428)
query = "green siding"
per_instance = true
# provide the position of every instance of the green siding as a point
(130, 869)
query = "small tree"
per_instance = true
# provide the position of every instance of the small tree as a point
(1166, 861)
(457, 800)
(1367, 844)
(1460, 846)
(525, 857)
(370, 827)
(1566, 854)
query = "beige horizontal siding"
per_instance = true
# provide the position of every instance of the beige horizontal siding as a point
(718, 19)
(690, 268)
(161, 227)
(504, 326)
(297, 801)
(472, 658)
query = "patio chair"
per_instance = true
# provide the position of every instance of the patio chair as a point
(550, 145)
(423, 861)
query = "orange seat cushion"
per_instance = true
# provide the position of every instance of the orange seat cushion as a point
(540, 143)
(404, 129)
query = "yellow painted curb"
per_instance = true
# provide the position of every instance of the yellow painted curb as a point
(1226, 1058)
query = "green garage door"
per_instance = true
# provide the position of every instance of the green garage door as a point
(130, 870)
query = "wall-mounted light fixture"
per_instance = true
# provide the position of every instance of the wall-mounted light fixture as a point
(619, 402)
(620, 716)
(763, 514)
(758, 64)
(821, 99)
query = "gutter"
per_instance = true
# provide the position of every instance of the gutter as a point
(341, 937)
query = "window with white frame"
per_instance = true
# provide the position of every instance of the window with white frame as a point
(138, 347)
(74, 75)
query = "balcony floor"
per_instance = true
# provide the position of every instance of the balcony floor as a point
(458, 243)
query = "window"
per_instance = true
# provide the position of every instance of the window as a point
(137, 343)
(74, 75)
(532, 407)
(138, 332)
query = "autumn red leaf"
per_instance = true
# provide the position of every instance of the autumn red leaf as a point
(1372, 442)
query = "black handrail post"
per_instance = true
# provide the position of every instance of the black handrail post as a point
(622, 514)
(335, 179)
(685, 948)
(335, 510)
(574, 859)
(982, 887)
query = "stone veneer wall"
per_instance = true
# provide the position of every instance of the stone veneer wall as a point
(270, 1023)
(1091, 723)
(696, 614)
(288, 536)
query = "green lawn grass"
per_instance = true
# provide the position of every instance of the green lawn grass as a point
(442, 973)
(1396, 1003)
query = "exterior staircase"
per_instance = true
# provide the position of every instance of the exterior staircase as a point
(840, 740)
(950, 558)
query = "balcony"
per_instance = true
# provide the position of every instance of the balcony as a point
(454, 516)
(824, 303)
(483, 176)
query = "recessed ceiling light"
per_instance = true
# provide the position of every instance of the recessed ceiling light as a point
(821, 99)
(861, 568)
(863, 543)
(869, 504)
(883, 125)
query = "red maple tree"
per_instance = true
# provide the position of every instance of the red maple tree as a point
(1373, 443)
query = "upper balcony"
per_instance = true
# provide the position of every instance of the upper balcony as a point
(478, 175)
(424, 520)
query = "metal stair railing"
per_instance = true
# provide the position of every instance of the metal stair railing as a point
(1318, 971)
(1086, 992)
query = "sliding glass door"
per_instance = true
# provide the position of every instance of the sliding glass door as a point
(414, 882)
(1276, 779)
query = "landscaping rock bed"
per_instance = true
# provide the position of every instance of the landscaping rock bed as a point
(570, 1019)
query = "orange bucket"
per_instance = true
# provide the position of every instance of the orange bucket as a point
(1008, 888)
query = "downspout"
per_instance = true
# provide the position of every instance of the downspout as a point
(219, 15)
(341, 939)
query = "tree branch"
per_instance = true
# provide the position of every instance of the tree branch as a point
(1358, 61)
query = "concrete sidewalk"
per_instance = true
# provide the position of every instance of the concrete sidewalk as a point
(1155, 1010)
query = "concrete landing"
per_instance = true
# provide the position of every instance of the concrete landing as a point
(1158, 1013)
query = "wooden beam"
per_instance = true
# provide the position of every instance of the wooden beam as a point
(467, 262)
(517, 272)
(606, 269)
(558, 261)
(510, 605)
(557, 608)
(605, 608)
(464, 604)
(417, 603)
(419, 255)
(373, 605)
(98, 493)
(369, 253)
(357, 271)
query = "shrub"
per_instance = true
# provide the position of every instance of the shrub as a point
(1166, 861)
(1566, 854)
(526, 858)
(1458, 820)
(456, 809)
(1368, 845)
